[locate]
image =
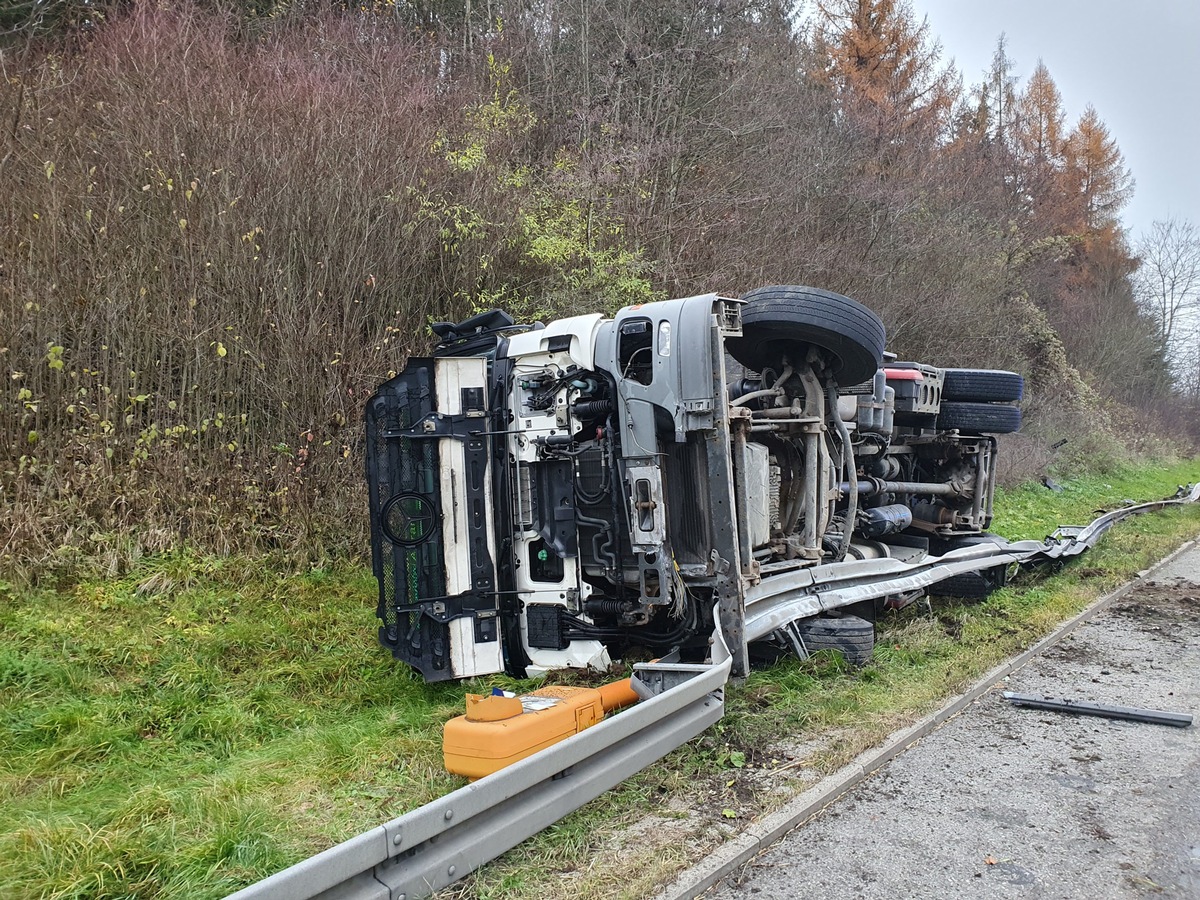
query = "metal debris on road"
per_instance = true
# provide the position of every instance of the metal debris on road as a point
(1104, 710)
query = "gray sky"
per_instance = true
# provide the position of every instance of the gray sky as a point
(1136, 61)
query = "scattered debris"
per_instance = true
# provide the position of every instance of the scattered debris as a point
(1107, 711)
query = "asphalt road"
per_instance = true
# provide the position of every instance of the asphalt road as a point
(1008, 802)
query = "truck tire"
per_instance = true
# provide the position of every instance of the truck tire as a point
(967, 586)
(978, 418)
(985, 385)
(971, 585)
(852, 636)
(776, 319)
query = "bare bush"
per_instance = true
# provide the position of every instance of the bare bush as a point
(208, 260)
(218, 235)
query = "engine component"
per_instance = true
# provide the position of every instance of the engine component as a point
(880, 521)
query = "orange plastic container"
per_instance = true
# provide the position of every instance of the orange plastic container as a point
(499, 730)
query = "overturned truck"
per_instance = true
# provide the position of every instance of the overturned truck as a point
(560, 495)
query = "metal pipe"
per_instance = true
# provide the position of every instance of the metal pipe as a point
(878, 486)
(791, 413)
(808, 502)
(776, 390)
(754, 395)
(1104, 710)
(848, 468)
(810, 536)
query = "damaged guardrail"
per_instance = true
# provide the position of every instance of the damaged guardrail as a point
(1068, 541)
(439, 843)
(807, 592)
(433, 846)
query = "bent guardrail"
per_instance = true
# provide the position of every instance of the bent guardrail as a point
(424, 850)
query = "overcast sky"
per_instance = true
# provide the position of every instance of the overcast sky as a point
(1136, 61)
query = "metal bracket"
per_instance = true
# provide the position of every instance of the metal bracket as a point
(651, 679)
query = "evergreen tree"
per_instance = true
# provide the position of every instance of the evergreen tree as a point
(885, 68)
(1040, 119)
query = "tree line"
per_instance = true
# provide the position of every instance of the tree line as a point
(224, 223)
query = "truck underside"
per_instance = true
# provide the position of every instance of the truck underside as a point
(559, 496)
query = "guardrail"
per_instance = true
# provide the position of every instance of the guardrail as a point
(433, 846)
(807, 592)
(1070, 541)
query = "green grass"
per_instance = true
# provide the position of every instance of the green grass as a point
(1033, 511)
(195, 725)
(186, 729)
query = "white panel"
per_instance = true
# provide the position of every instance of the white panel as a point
(468, 658)
(756, 465)
(583, 344)
(452, 376)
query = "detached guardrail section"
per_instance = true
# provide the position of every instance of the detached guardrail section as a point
(1070, 541)
(441, 842)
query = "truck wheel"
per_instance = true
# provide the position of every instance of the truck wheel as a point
(971, 585)
(967, 586)
(979, 418)
(986, 385)
(776, 319)
(854, 637)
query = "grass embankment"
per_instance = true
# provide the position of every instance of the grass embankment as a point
(197, 724)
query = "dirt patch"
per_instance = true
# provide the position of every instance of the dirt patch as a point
(1071, 651)
(951, 625)
(1171, 605)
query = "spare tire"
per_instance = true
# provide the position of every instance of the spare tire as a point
(780, 319)
(979, 418)
(986, 385)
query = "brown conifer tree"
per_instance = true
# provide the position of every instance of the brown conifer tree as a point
(1096, 173)
(1040, 119)
(884, 66)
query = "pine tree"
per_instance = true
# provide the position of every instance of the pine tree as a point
(999, 94)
